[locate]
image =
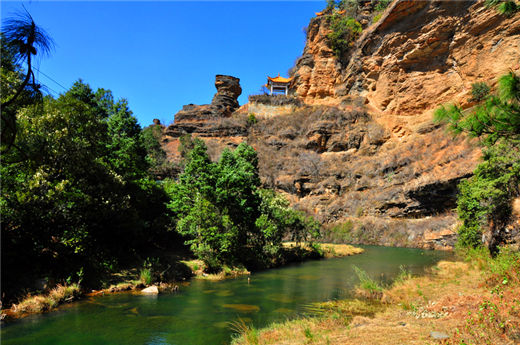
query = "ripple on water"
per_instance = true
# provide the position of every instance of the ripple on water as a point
(279, 297)
(283, 311)
(244, 308)
(133, 312)
(225, 293)
(308, 277)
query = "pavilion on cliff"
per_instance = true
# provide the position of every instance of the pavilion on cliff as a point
(278, 85)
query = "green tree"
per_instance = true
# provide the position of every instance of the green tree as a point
(21, 39)
(155, 154)
(224, 215)
(485, 199)
(505, 7)
(126, 146)
(69, 203)
(498, 117)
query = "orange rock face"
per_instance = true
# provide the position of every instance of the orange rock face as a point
(432, 56)
(317, 70)
(419, 55)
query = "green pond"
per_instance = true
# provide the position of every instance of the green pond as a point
(200, 312)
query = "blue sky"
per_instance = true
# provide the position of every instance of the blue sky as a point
(162, 55)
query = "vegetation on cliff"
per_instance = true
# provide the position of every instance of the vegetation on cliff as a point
(507, 7)
(485, 199)
(345, 31)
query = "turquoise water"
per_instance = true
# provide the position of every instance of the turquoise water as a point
(201, 311)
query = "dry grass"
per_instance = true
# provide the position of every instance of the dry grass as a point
(331, 250)
(473, 303)
(198, 268)
(41, 303)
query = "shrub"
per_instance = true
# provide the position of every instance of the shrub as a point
(251, 119)
(344, 32)
(382, 5)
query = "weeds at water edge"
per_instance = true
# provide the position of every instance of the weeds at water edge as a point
(367, 288)
(247, 333)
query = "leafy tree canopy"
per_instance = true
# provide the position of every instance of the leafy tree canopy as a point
(224, 215)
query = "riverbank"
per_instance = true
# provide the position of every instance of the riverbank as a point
(323, 250)
(132, 280)
(462, 302)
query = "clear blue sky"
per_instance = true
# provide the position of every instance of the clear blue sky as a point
(162, 55)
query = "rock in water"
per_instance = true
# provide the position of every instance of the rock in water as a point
(151, 290)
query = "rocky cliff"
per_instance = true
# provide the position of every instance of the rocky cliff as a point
(362, 154)
(212, 121)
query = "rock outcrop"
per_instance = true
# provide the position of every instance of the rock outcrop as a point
(212, 121)
(317, 70)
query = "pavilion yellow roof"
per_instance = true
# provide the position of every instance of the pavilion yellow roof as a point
(280, 79)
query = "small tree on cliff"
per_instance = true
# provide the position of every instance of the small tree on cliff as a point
(485, 199)
(344, 31)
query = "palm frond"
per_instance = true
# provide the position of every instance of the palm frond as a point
(21, 32)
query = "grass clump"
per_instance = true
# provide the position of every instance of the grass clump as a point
(367, 287)
(403, 275)
(247, 334)
(41, 303)
(145, 276)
